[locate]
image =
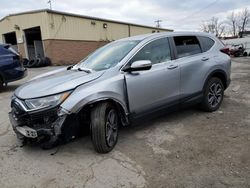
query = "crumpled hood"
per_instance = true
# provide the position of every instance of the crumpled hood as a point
(55, 82)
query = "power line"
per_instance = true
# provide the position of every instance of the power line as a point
(198, 11)
(202, 9)
(50, 4)
(158, 23)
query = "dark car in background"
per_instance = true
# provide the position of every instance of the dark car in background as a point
(11, 68)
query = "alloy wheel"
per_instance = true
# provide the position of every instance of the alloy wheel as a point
(111, 127)
(215, 94)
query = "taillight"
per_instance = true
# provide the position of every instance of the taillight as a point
(225, 50)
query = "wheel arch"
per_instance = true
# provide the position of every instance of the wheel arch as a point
(219, 74)
(121, 108)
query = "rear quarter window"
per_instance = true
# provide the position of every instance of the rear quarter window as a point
(187, 45)
(207, 43)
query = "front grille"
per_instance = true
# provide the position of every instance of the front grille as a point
(33, 119)
(41, 114)
(37, 119)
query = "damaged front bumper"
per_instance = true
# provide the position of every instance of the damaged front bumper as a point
(37, 125)
(28, 130)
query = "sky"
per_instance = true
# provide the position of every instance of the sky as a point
(178, 15)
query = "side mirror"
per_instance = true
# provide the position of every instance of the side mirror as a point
(139, 66)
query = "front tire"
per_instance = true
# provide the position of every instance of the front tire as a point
(213, 95)
(104, 127)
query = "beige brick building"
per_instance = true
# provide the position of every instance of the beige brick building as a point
(63, 37)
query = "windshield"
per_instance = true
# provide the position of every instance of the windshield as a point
(107, 56)
(13, 51)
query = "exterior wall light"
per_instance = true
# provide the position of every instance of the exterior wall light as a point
(105, 26)
(16, 27)
(63, 18)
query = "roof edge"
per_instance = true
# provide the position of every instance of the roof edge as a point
(82, 16)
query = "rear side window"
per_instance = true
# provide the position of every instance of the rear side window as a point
(157, 51)
(187, 45)
(207, 43)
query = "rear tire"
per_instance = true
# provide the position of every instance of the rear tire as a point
(104, 127)
(213, 95)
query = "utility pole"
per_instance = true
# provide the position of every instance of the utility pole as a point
(50, 4)
(158, 23)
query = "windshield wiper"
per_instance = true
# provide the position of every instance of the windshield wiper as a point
(70, 67)
(85, 70)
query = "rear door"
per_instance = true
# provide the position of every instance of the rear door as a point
(155, 88)
(193, 65)
(6, 63)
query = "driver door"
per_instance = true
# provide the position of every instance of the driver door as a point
(158, 87)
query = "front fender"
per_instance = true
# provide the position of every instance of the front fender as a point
(112, 88)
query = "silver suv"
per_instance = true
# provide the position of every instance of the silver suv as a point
(120, 83)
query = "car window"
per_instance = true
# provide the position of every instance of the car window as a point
(157, 51)
(107, 56)
(187, 45)
(13, 51)
(206, 42)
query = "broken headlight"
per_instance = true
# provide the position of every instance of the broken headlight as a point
(46, 102)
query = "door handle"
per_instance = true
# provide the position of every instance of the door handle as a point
(172, 66)
(204, 59)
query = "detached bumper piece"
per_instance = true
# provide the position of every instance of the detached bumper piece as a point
(43, 126)
(27, 131)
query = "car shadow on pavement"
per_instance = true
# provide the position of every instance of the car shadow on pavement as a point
(151, 122)
(173, 116)
(9, 88)
(83, 144)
